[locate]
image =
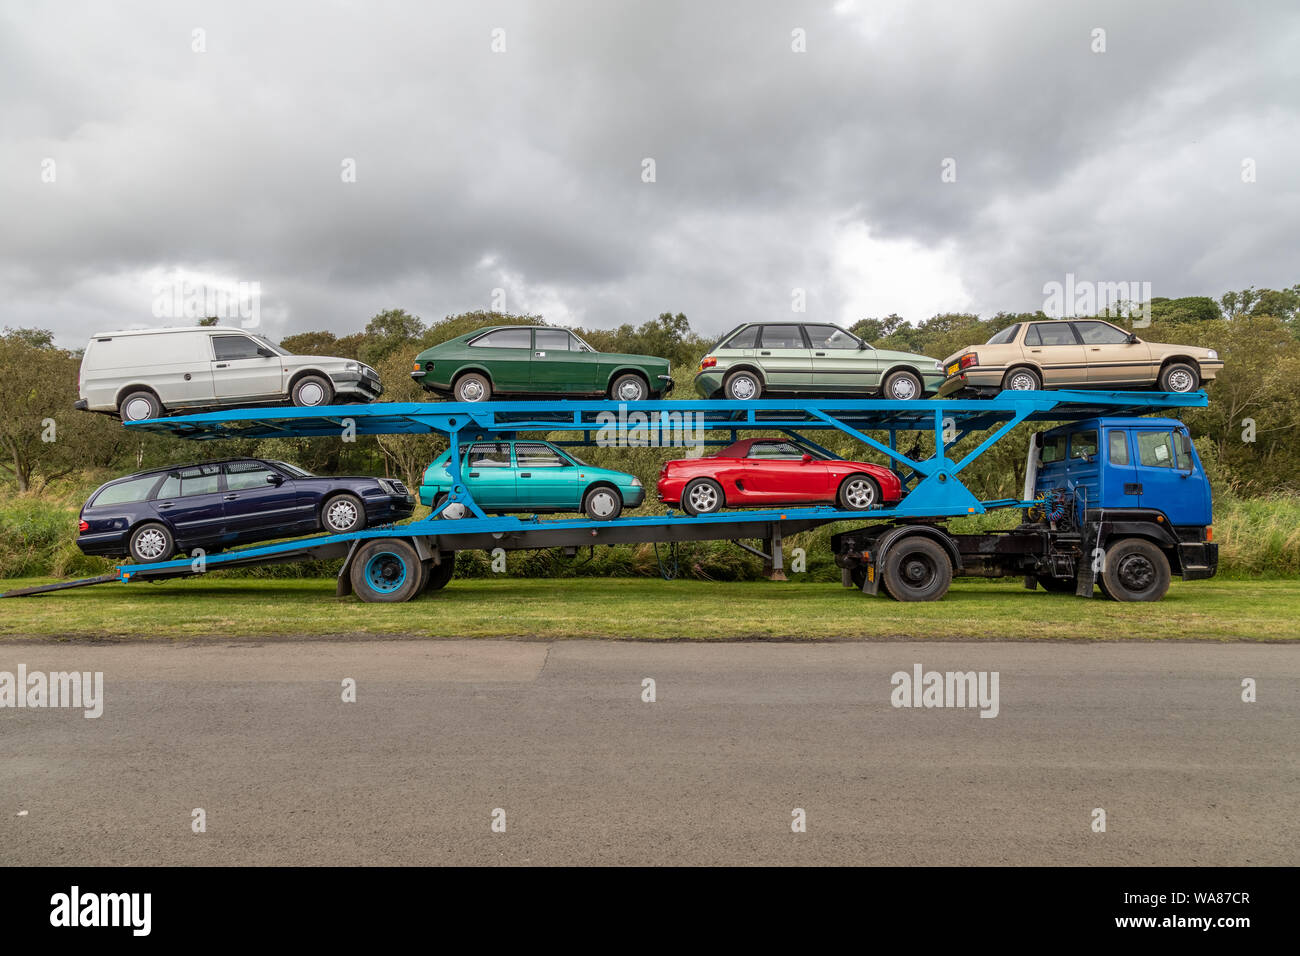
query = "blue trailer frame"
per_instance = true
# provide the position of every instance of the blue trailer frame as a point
(933, 487)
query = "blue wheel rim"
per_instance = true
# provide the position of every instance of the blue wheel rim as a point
(386, 572)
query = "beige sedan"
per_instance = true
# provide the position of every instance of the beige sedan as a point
(1076, 353)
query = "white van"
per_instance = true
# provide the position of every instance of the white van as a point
(149, 372)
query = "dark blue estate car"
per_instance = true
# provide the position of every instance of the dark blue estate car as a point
(152, 515)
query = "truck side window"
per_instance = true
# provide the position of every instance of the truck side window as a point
(1083, 445)
(1118, 448)
(1053, 449)
(1155, 450)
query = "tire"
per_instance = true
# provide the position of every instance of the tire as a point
(917, 569)
(703, 496)
(902, 386)
(1135, 570)
(1022, 379)
(1179, 377)
(472, 387)
(438, 575)
(858, 576)
(453, 511)
(342, 514)
(1056, 585)
(387, 571)
(629, 388)
(743, 386)
(602, 503)
(311, 391)
(139, 406)
(858, 493)
(150, 543)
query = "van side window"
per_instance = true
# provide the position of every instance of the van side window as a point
(1118, 448)
(229, 347)
(1155, 449)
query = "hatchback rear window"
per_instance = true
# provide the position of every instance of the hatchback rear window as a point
(125, 492)
(505, 339)
(746, 338)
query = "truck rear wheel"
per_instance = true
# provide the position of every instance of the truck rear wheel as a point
(439, 575)
(1135, 570)
(387, 571)
(917, 569)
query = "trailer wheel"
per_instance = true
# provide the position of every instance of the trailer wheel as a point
(387, 571)
(1135, 570)
(917, 569)
(439, 575)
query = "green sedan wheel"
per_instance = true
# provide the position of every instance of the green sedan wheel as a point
(629, 388)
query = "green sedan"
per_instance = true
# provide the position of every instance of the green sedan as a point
(532, 477)
(811, 359)
(522, 360)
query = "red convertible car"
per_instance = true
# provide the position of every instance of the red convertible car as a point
(774, 471)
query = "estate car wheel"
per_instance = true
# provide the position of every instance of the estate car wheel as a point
(1135, 570)
(742, 386)
(602, 503)
(343, 513)
(1179, 377)
(902, 386)
(312, 390)
(917, 569)
(703, 496)
(1022, 380)
(858, 493)
(139, 407)
(629, 388)
(472, 387)
(387, 571)
(151, 542)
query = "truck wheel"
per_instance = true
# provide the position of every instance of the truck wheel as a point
(602, 503)
(629, 388)
(917, 569)
(151, 542)
(439, 575)
(1179, 377)
(1022, 380)
(472, 387)
(312, 390)
(140, 406)
(1135, 570)
(343, 513)
(387, 571)
(902, 387)
(742, 386)
(703, 496)
(858, 493)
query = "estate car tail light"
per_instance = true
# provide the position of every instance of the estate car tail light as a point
(708, 362)
(83, 525)
(969, 359)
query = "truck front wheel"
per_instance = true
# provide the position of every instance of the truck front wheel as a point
(1135, 570)
(917, 569)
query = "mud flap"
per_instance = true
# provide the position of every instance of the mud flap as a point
(1086, 578)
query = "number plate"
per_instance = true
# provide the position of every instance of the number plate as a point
(954, 368)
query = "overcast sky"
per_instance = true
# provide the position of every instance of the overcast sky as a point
(503, 146)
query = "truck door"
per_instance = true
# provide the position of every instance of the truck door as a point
(1121, 486)
(1164, 470)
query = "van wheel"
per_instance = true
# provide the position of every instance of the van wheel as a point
(602, 503)
(1022, 380)
(1179, 377)
(902, 387)
(1135, 570)
(472, 387)
(151, 542)
(312, 390)
(387, 572)
(917, 569)
(742, 386)
(343, 513)
(139, 407)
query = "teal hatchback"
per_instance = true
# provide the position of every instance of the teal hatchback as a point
(533, 477)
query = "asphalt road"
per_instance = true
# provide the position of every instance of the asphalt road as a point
(557, 735)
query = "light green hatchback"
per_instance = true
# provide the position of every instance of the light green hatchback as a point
(811, 359)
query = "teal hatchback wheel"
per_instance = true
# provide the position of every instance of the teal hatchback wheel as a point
(387, 572)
